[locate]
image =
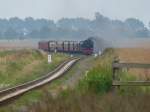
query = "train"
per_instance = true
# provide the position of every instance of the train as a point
(83, 47)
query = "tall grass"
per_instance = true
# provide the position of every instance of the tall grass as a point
(87, 97)
(24, 69)
(25, 65)
(93, 93)
(91, 102)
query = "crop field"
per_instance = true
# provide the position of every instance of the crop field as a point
(135, 55)
(139, 55)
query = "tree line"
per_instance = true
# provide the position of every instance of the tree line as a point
(71, 28)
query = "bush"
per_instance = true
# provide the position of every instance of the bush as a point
(97, 80)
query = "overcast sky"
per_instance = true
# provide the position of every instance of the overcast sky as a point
(56, 9)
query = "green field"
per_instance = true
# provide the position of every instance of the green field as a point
(18, 67)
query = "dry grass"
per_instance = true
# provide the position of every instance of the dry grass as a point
(90, 102)
(18, 44)
(75, 101)
(136, 55)
(141, 55)
(19, 66)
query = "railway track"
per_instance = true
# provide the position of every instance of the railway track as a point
(11, 93)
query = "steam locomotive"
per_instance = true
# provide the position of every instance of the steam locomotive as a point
(85, 47)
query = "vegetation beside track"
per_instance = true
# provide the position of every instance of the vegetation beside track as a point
(17, 67)
(93, 93)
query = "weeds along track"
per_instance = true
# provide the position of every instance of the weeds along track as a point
(11, 93)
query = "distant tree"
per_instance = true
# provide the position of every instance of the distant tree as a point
(73, 28)
(15, 23)
(3, 25)
(143, 33)
(134, 24)
(29, 23)
(10, 34)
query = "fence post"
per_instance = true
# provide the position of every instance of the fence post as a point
(115, 70)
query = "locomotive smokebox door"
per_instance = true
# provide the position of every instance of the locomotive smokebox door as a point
(49, 58)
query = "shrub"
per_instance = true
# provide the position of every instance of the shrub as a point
(97, 80)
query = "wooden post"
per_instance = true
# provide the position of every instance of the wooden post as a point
(116, 60)
(115, 70)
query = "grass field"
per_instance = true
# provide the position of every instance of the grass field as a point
(20, 66)
(136, 55)
(141, 55)
(69, 80)
(92, 91)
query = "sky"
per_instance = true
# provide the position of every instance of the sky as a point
(56, 9)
